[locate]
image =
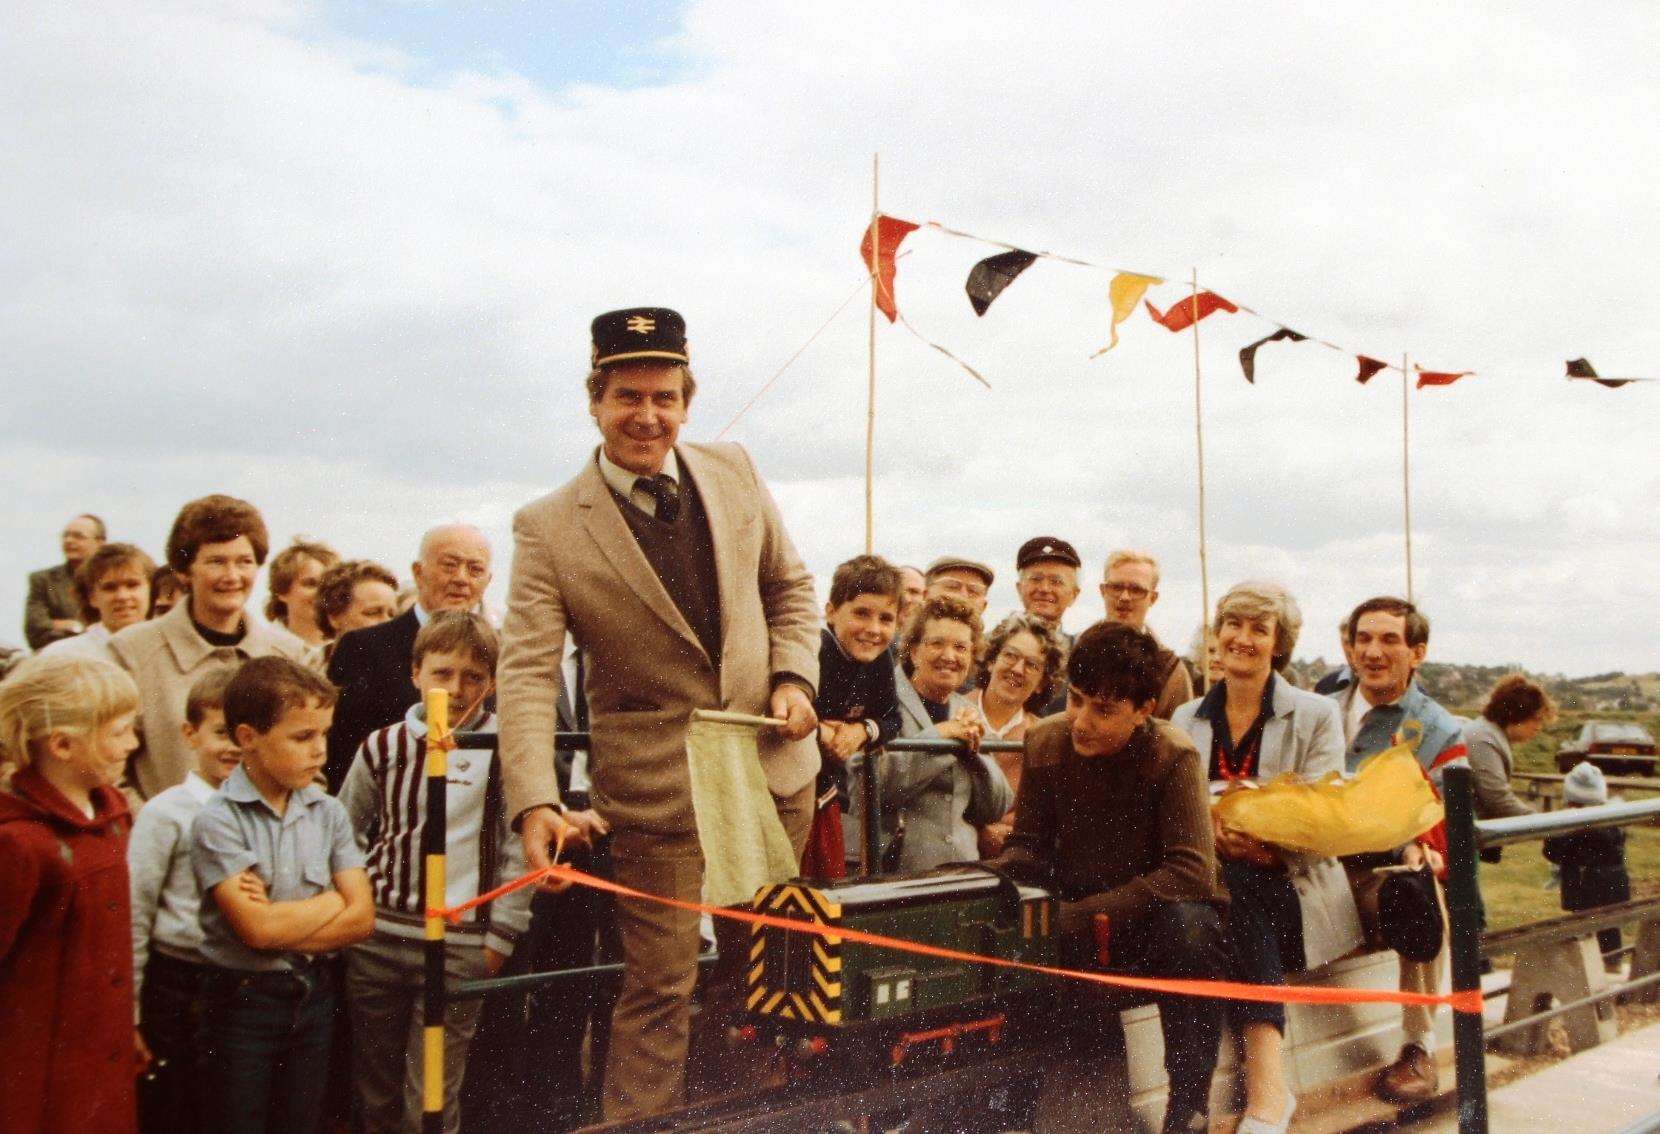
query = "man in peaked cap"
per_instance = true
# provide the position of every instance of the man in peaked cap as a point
(624, 558)
(1047, 583)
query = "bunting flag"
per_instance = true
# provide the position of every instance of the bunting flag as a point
(1179, 316)
(990, 276)
(1248, 355)
(1368, 367)
(1440, 377)
(881, 242)
(1124, 293)
(1581, 368)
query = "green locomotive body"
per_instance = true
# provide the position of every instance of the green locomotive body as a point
(806, 982)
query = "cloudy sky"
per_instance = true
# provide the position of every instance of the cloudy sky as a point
(339, 258)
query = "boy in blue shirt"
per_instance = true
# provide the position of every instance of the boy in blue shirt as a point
(282, 884)
(857, 705)
(167, 928)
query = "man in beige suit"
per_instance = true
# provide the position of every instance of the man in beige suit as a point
(671, 568)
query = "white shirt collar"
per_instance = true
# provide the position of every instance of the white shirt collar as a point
(622, 481)
(200, 790)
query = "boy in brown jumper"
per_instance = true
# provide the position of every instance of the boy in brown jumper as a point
(1114, 815)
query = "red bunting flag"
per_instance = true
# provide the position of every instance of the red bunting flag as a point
(1179, 316)
(1368, 367)
(1440, 377)
(884, 236)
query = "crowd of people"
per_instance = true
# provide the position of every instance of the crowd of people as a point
(212, 822)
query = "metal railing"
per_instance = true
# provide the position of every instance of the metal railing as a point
(1465, 837)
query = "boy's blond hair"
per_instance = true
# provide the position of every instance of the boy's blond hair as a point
(58, 693)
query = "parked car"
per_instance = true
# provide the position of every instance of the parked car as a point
(1619, 748)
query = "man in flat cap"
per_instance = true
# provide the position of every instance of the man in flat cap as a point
(961, 579)
(670, 565)
(1047, 583)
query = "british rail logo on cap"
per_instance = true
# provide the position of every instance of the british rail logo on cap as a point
(639, 333)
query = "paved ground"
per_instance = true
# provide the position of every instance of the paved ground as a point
(1599, 1091)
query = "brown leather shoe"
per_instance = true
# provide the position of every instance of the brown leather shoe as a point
(1413, 1078)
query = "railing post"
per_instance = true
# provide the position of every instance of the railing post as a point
(433, 841)
(1463, 901)
(870, 814)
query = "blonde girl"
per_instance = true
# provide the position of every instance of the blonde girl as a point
(66, 729)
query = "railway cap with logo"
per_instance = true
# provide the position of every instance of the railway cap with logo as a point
(639, 333)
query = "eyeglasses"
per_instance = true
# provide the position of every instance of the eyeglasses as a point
(1015, 659)
(1127, 590)
(958, 586)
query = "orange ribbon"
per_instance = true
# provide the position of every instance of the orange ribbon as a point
(1469, 1001)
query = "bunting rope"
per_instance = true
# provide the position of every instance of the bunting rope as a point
(789, 362)
(1469, 1001)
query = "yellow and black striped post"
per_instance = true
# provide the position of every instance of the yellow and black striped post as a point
(432, 852)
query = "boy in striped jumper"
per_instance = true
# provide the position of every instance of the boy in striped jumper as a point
(385, 795)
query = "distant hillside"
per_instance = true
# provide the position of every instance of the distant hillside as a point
(1466, 686)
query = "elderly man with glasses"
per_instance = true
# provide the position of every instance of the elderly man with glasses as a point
(1129, 591)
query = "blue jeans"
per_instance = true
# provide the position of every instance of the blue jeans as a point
(264, 1049)
(1265, 931)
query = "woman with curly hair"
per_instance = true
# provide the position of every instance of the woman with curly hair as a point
(933, 803)
(1025, 658)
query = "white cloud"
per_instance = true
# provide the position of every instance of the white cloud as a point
(240, 253)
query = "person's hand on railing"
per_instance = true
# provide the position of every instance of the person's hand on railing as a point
(841, 739)
(966, 727)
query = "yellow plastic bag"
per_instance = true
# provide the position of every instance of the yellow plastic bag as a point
(1386, 803)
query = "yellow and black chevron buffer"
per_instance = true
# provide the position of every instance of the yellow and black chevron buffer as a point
(796, 976)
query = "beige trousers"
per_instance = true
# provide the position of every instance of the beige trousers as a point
(651, 1024)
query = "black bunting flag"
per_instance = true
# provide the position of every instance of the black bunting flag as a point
(1368, 367)
(1248, 355)
(990, 276)
(1581, 368)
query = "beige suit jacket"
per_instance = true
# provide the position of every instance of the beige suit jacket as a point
(166, 657)
(578, 569)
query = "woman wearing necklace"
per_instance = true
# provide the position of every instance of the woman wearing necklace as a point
(1025, 661)
(1290, 911)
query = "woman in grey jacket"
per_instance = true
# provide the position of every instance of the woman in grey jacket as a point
(940, 799)
(1289, 911)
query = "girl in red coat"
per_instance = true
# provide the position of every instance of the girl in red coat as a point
(66, 997)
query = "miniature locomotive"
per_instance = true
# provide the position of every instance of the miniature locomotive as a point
(827, 991)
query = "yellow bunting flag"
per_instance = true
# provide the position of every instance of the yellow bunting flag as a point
(1124, 293)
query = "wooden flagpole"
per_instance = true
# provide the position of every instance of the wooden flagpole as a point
(870, 391)
(1406, 466)
(1199, 437)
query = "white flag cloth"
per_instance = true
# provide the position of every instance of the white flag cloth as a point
(744, 844)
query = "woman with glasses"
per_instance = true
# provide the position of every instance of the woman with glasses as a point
(1289, 911)
(1024, 663)
(934, 802)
